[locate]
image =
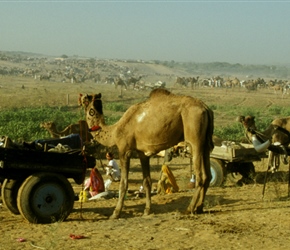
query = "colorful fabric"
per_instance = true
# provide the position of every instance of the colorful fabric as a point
(95, 183)
(167, 183)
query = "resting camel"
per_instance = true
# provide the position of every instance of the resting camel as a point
(80, 128)
(277, 132)
(158, 123)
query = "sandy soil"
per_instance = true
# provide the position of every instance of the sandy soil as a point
(235, 217)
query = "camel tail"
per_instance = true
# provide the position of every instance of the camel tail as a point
(209, 130)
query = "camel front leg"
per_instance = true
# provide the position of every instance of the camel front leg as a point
(125, 165)
(147, 183)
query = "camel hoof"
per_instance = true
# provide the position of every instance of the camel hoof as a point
(196, 211)
(146, 212)
(114, 216)
(199, 211)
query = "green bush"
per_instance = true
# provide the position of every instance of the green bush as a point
(232, 132)
(24, 124)
(274, 110)
(115, 106)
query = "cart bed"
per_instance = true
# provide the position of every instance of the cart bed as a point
(19, 162)
(232, 152)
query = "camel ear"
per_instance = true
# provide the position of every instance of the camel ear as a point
(89, 97)
(97, 102)
(97, 97)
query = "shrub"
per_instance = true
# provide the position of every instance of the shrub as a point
(116, 107)
(24, 124)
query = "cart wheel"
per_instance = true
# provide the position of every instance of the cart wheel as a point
(234, 177)
(217, 172)
(241, 172)
(45, 198)
(9, 192)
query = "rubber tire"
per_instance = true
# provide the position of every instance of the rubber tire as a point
(241, 172)
(9, 192)
(217, 171)
(45, 198)
(233, 177)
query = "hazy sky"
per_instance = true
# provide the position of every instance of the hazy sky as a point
(246, 32)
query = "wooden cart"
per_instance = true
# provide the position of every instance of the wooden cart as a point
(36, 182)
(232, 159)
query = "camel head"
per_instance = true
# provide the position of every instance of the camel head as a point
(97, 103)
(51, 128)
(94, 109)
(85, 100)
(247, 121)
(48, 125)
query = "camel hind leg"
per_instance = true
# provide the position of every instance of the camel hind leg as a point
(199, 134)
(202, 181)
(147, 183)
(200, 149)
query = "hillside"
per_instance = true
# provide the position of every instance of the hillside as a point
(30, 64)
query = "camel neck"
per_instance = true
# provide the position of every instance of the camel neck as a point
(105, 135)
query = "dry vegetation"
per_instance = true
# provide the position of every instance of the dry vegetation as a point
(234, 218)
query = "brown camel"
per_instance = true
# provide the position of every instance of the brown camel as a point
(277, 132)
(118, 81)
(158, 123)
(182, 81)
(133, 81)
(236, 82)
(193, 81)
(80, 128)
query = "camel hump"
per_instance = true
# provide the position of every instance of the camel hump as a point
(158, 92)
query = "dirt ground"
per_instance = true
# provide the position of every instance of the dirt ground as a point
(236, 217)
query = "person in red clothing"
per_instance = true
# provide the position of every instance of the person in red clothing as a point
(95, 184)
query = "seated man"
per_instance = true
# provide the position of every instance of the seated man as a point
(112, 167)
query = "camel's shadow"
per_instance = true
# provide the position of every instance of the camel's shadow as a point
(173, 206)
(279, 176)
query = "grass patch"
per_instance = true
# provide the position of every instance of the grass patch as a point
(23, 124)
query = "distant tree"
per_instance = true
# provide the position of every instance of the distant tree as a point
(64, 56)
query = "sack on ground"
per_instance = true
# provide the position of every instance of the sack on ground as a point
(107, 184)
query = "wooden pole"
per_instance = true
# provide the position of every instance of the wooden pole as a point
(288, 177)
